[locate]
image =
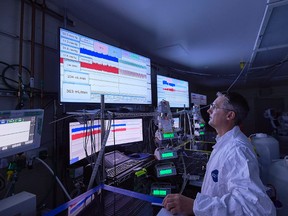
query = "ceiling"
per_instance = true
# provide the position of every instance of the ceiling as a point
(204, 41)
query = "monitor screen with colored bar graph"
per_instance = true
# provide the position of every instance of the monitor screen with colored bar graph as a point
(90, 68)
(175, 91)
(85, 139)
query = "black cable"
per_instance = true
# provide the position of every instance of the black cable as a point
(13, 67)
(3, 77)
(9, 81)
(23, 96)
(2, 182)
(4, 63)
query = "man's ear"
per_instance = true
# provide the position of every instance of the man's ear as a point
(231, 115)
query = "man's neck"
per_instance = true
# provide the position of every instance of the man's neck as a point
(224, 130)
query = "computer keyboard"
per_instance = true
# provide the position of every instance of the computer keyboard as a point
(120, 168)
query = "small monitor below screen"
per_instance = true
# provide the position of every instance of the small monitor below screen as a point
(175, 91)
(198, 99)
(20, 131)
(176, 123)
(123, 131)
(80, 138)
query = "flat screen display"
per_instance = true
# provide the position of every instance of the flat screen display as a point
(175, 91)
(90, 68)
(198, 99)
(85, 139)
(176, 123)
(125, 131)
(20, 131)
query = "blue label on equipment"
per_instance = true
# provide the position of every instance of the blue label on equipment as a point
(214, 175)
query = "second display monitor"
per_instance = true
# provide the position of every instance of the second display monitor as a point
(175, 91)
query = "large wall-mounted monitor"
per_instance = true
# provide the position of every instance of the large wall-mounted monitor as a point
(90, 68)
(20, 131)
(123, 131)
(175, 91)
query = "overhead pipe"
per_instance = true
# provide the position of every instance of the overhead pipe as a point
(52, 13)
(20, 84)
(32, 50)
(42, 72)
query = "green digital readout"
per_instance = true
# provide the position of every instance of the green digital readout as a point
(168, 135)
(165, 172)
(15, 120)
(202, 133)
(159, 192)
(167, 155)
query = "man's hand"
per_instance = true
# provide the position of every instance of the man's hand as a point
(178, 204)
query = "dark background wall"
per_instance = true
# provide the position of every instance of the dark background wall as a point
(41, 57)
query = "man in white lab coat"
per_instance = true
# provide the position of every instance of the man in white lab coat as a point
(231, 185)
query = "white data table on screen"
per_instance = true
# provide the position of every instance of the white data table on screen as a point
(11, 133)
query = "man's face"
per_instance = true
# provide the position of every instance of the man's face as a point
(218, 113)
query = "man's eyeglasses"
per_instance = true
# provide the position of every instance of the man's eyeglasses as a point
(214, 107)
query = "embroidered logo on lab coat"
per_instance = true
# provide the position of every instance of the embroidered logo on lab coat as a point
(214, 175)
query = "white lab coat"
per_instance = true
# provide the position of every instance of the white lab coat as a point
(232, 185)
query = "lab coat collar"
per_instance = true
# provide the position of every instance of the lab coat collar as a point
(220, 139)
